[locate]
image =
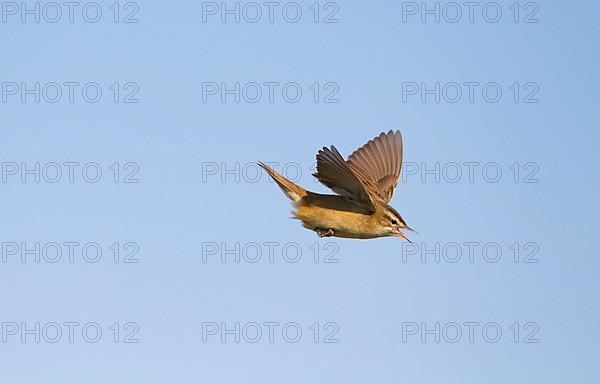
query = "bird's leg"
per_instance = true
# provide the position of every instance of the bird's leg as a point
(324, 232)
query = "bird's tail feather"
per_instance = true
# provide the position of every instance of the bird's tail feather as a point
(293, 191)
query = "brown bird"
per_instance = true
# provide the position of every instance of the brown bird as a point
(364, 185)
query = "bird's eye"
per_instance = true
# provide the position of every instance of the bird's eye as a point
(394, 221)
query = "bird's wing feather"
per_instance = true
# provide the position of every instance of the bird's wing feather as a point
(334, 172)
(380, 160)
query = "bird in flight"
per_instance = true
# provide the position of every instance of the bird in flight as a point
(364, 185)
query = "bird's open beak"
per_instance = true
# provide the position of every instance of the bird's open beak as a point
(399, 233)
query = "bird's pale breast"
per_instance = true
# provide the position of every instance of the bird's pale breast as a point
(345, 223)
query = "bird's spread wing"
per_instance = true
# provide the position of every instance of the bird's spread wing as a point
(335, 173)
(379, 160)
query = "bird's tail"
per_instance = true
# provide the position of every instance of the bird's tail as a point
(293, 191)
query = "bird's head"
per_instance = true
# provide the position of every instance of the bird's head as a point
(393, 224)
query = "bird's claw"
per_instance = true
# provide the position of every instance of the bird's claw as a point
(324, 232)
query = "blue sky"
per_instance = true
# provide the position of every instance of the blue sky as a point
(157, 173)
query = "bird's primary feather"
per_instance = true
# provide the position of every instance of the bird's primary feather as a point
(334, 172)
(371, 172)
